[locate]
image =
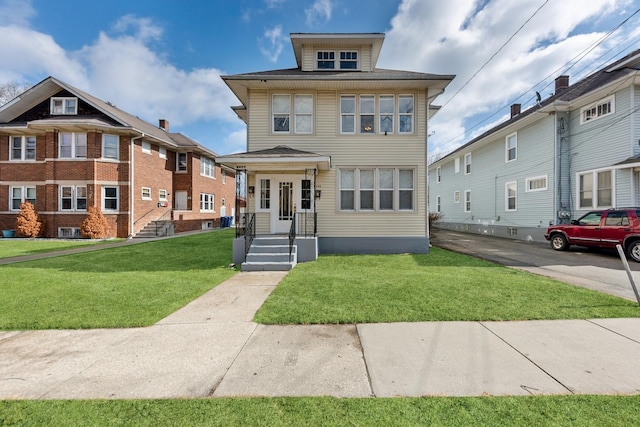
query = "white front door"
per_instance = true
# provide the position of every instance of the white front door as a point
(282, 214)
(181, 200)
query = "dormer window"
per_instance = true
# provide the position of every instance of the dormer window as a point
(67, 106)
(326, 60)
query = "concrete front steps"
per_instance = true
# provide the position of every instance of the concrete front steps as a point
(156, 229)
(270, 253)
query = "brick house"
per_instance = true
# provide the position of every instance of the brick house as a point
(64, 150)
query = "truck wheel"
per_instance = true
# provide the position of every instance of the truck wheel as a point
(633, 250)
(559, 243)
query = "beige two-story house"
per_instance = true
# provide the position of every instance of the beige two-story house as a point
(336, 150)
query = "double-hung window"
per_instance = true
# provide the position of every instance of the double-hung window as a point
(110, 198)
(224, 176)
(146, 147)
(146, 193)
(282, 108)
(387, 113)
(367, 189)
(162, 195)
(326, 60)
(367, 114)
(181, 162)
(511, 147)
(23, 147)
(405, 189)
(207, 167)
(110, 146)
(72, 145)
(467, 163)
(467, 200)
(376, 189)
(349, 60)
(438, 175)
(595, 189)
(64, 106)
(73, 198)
(385, 189)
(303, 110)
(511, 196)
(19, 195)
(206, 202)
(281, 111)
(405, 113)
(348, 114)
(376, 114)
(347, 189)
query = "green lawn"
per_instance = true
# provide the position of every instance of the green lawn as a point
(19, 247)
(127, 286)
(441, 286)
(324, 411)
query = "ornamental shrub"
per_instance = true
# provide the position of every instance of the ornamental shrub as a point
(95, 225)
(27, 223)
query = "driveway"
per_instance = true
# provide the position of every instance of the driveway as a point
(600, 270)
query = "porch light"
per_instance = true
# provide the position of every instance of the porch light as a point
(252, 190)
(318, 192)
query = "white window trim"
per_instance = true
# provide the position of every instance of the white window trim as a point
(297, 114)
(23, 148)
(258, 193)
(23, 195)
(211, 202)
(609, 99)
(315, 59)
(74, 146)
(528, 181)
(273, 115)
(146, 190)
(412, 114)
(456, 196)
(146, 147)
(353, 114)
(393, 114)
(209, 164)
(186, 163)
(506, 148)
(467, 201)
(594, 199)
(224, 175)
(103, 198)
(74, 231)
(438, 175)
(456, 165)
(163, 195)
(104, 140)
(376, 189)
(162, 152)
(63, 112)
(74, 198)
(506, 196)
(339, 60)
(438, 204)
(467, 164)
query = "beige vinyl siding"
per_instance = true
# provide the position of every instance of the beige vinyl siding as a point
(259, 117)
(365, 59)
(309, 56)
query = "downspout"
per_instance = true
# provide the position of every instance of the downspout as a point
(426, 165)
(131, 176)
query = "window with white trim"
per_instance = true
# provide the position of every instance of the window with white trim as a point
(386, 108)
(467, 163)
(456, 196)
(22, 194)
(224, 175)
(367, 114)
(348, 114)
(379, 189)
(349, 60)
(73, 198)
(601, 108)
(206, 202)
(305, 194)
(438, 204)
(281, 111)
(438, 175)
(325, 60)
(511, 196)
(64, 106)
(394, 114)
(537, 183)
(22, 148)
(282, 106)
(146, 193)
(110, 198)
(595, 189)
(265, 193)
(162, 195)
(467, 200)
(110, 146)
(181, 162)
(146, 147)
(456, 165)
(405, 113)
(207, 167)
(162, 152)
(68, 232)
(303, 111)
(72, 145)
(511, 147)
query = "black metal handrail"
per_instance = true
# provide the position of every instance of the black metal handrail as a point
(249, 231)
(162, 218)
(307, 224)
(292, 235)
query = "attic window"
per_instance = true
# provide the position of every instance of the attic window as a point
(348, 60)
(326, 60)
(594, 111)
(67, 106)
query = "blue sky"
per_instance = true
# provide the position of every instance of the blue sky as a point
(163, 58)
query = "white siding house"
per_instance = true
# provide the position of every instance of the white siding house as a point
(575, 151)
(338, 144)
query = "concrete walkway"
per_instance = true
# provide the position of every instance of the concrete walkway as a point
(211, 347)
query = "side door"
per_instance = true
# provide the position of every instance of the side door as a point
(615, 226)
(587, 230)
(181, 200)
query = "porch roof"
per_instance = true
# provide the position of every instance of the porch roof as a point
(281, 157)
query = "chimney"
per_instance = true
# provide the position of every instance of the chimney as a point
(515, 110)
(163, 124)
(562, 83)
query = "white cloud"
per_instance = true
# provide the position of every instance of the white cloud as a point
(272, 43)
(459, 36)
(143, 29)
(272, 4)
(236, 142)
(16, 12)
(319, 13)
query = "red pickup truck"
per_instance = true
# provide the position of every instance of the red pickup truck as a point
(601, 228)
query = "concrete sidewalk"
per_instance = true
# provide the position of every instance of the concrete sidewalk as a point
(211, 347)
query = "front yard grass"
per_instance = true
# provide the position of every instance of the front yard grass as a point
(527, 411)
(19, 247)
(127, 286)
(441, 286)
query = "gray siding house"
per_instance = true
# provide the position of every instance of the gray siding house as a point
(576, 151)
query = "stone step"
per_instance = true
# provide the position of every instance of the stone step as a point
(267, 266)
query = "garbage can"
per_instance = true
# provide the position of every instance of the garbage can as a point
(223, 222)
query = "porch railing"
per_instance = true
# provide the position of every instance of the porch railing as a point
(292, 235)
(249, 230)
(307, 224)
(164, 228)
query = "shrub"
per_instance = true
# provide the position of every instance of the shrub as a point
(27, 223)
(95, 225)
(434, 217)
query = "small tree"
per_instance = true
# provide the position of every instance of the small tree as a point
(95, 225)
(28, 224)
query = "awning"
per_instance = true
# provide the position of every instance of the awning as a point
(280, 158)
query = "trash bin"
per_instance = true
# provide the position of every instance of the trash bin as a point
(223, 222)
